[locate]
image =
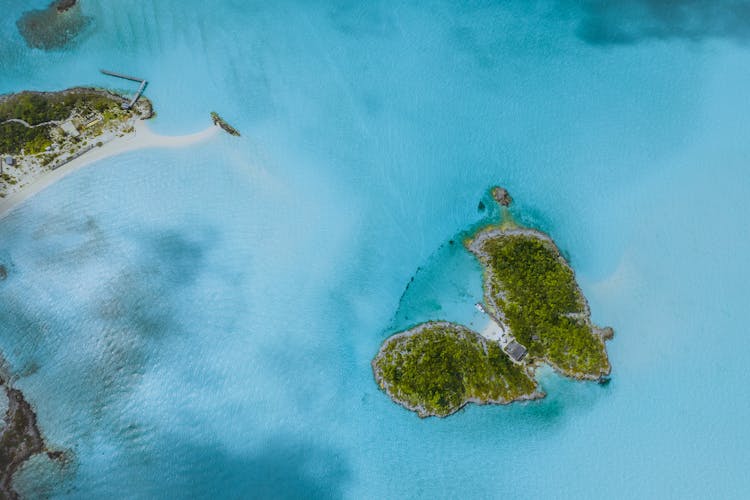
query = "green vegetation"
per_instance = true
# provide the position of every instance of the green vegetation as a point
(542, 303)
(14, 137)
(223, 124)
(35, 108)
(437, 367)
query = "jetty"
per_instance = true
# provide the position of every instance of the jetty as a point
(141, 88)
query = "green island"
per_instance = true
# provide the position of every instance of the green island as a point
(437, 367)
(530, 286)
(40, 131)
(536, 313)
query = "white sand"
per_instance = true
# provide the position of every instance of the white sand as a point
(143, 137)
(492, 331)
(497, 332)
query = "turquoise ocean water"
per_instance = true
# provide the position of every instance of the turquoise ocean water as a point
(199, 323)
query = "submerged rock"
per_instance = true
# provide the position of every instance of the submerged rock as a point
(3, 272)
(53, 27)
(606, 333)
(63, 5)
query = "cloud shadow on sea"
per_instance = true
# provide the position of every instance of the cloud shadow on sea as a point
(281, 468)
(603, 23)
(631, 21)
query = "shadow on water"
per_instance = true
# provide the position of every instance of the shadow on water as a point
(450, 278)
(624, 22)
(564, 398)
(131, 309)
(565, 401)
(51, 28)
(282, 468)
(633, 21)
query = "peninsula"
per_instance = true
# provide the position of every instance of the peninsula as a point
(536, 313)
(41, 131)
(46, 135)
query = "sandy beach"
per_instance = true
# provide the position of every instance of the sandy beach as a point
(142, 138)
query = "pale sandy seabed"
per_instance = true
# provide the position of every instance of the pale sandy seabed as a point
(141, 138)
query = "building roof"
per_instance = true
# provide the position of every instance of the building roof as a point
(70, 129)
(9, 160)
(515, 350)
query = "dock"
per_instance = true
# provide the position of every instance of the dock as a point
(141, 88)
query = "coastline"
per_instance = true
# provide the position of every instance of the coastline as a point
(142, 137)
(475, 245)
(420, 409)
(20, 435)
(580, 359)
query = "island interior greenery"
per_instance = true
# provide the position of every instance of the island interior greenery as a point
(532, 295)
(41, 131)
(438, 367)
(44, 111)
(536, 292)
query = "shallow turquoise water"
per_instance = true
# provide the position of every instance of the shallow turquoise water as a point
(200, 323)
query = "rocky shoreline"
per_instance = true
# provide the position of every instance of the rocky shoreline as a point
(218, 120)
(20, 439)
(421, 410)
(84, 128)
(476, 246)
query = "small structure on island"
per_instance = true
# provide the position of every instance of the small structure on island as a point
(70, 129)
(497, 331)
(10, 161)
(515, 350)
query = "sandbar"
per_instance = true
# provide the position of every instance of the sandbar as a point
(142, 137)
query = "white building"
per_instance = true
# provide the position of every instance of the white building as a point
(70, 129)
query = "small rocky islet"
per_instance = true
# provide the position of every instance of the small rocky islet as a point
(221, 122)
(53, 27)
(20, 439)
(537, 310)
(40, 131)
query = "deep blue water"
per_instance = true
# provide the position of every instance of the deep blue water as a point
(199, 323)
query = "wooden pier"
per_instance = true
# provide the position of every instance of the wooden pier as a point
(143, 82)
